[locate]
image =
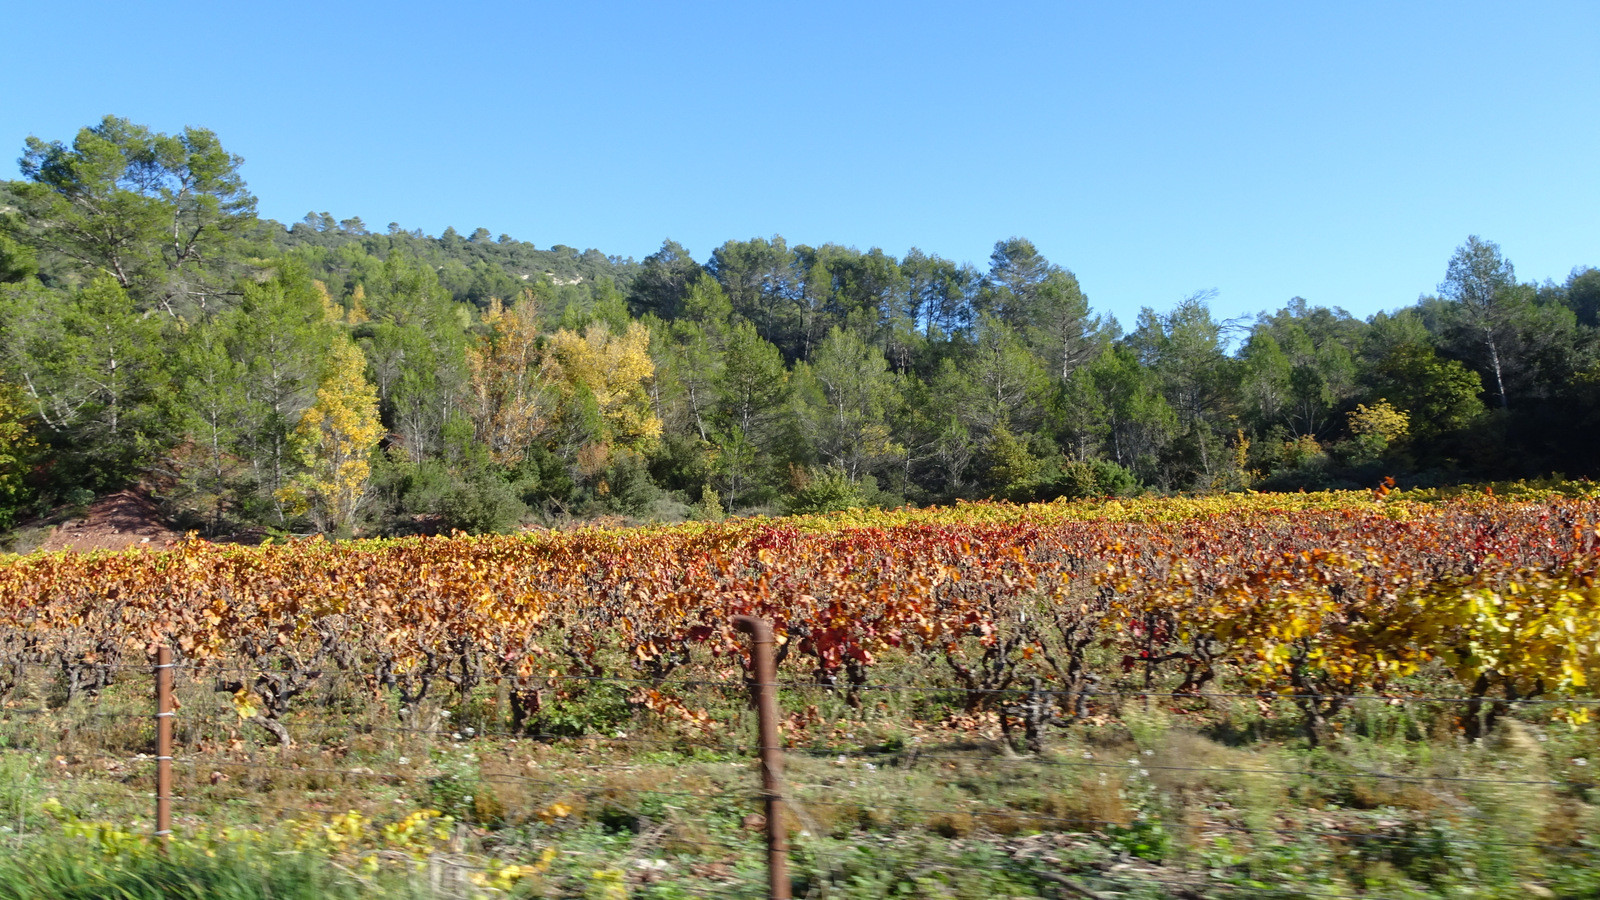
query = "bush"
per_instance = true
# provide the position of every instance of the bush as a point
(483, 503)
(542, 476)
(625, 486)
(477, 501)
(709, 509)
(1095, 478)
(681, 463)
(1077, 480)
(596, 708)
(826, 490)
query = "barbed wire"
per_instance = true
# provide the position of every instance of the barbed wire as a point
(1030, 817)
(196, 762)
(49, 756)
(903, 807)
(508, 777)
(1172, 695)
(224, 714)
(58, 666)
(198, 716)
(1233, 770)
(1285, 890)
(95, 790)
(98, 787)
(66, 713)
(907, 756)
(747, 684)
(1435, 838)
(1139, 879)
(326, 811)
(459, 736)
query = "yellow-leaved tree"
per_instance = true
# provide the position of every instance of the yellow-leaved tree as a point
(1377, 428)
(510, 408)
(615, 370)
(335, 440)
(17, 448)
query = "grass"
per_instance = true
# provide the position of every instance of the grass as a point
(910, 795)
(62, 870)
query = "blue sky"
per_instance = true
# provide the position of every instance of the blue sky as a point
(1339, 152)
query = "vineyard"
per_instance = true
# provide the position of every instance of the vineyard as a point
(1257, 695)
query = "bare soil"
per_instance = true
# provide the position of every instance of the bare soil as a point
(117, 521)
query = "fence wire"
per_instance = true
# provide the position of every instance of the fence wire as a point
(228, 764)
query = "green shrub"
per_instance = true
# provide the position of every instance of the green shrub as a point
(481, 504)
(709, 509)
(824, 491)
(627, 486)
(1081, 479)
(598, 708)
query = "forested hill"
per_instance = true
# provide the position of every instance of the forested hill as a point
(473, 269)
(321, 376)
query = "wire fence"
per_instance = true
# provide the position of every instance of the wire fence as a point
(679, 802)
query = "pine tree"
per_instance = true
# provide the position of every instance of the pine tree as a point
(847, 392)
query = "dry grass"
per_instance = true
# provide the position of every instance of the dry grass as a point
(875, 774)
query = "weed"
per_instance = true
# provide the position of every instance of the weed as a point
(1144, 838)
(593, 709)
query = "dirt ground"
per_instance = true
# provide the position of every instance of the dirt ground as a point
(115, 522)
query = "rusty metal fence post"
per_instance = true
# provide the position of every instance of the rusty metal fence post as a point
(164, 716)
(765, 691)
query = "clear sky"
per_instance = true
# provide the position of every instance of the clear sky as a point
(1336, 151)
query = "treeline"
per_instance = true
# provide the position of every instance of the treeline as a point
(323, 376)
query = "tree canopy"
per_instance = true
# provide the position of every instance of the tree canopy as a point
(321, 375)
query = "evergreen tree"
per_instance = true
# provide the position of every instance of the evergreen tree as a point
(846, 394)
(280, 334)
(92, 369)
(663, 281)
(214, 395)
(752, 392)
(155, 212)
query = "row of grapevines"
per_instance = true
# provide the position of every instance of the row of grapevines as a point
(1314, 596)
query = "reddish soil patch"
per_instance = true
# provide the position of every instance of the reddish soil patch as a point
(114, 522)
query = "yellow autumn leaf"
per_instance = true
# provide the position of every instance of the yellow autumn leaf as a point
(244, 703)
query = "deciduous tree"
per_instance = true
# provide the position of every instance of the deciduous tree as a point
(335, 440)
(510, 403)
(615, 370)
(1479, 281)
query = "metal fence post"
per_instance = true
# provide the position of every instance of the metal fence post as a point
(164, 716)
(765, 690)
